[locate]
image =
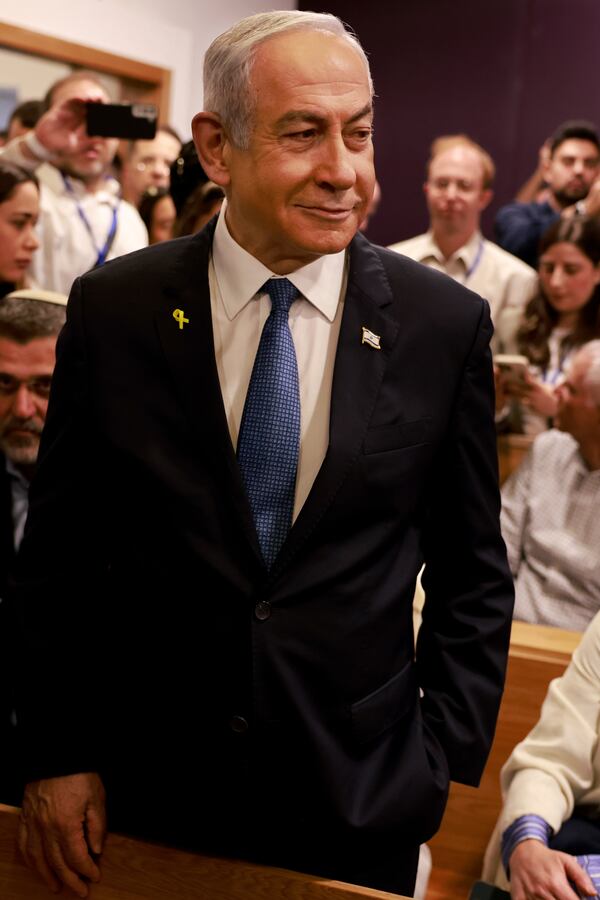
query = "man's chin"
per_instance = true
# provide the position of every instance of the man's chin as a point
(20, 454)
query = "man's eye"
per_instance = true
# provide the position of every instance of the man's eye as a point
(363, 134)
(303, 135)
(7, 384)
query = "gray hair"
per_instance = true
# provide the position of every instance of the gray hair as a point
(229, 59)
(24, 320)
(590, 354)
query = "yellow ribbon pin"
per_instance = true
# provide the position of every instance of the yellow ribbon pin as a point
(179, 316)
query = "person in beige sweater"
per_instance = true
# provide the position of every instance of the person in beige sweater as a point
(554, 774)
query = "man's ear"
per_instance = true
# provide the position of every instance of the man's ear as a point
(485, 198)
(211, 145)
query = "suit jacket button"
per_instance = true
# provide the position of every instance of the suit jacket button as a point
(238, 724)
(262, 610)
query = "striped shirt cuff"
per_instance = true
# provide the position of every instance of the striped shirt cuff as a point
(523, 829)
(591, 864)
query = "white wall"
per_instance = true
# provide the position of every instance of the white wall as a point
(173, 34)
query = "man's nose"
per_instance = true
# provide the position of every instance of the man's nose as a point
(23, 405)
(578, 167)
(451, 191)
(335, 165)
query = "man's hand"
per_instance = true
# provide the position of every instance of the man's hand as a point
(538, 873)
(592, 201)
(539, 397)
(62, 130)
(62, 823)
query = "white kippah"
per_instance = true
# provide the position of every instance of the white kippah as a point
(38, 294)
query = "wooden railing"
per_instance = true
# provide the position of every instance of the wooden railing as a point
(135, 870)
(537, 655)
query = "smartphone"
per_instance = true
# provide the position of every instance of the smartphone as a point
(513, 366)
(135, 121)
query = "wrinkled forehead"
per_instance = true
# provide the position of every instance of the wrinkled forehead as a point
(308, 56)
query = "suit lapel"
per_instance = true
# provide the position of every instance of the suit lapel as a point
(358, 372)
(189, 349)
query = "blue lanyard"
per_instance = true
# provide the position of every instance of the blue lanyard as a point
(101, 252)
(472, 268)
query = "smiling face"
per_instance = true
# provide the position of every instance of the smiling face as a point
(18, 240)
(95, 154)
(568, 278)
(302, 187)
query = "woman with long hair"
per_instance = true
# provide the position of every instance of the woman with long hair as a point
(19, 210)
(563, 315)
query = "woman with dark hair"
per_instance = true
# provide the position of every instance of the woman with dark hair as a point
(563, 315)
(158, 213)
(19, 210)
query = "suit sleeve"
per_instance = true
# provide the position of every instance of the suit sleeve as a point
(463, 642)
(60, 574)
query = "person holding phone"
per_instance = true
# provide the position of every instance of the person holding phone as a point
(563, 315)
(83, 220)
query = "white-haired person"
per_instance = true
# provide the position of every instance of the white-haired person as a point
(549, 507)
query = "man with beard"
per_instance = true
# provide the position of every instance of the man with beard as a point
(83, 220)
(29, 324)
(571, 170)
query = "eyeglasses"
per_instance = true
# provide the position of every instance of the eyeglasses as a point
(153, 162)
(39, 386)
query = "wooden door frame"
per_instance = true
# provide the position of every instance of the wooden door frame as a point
(33, 42)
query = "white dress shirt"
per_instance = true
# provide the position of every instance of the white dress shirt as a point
(19, 490)
(506, 282)
(551, 527)
(239, 311)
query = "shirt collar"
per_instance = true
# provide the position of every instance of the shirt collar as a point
(240, 275)
(54, 179)
(466, 254)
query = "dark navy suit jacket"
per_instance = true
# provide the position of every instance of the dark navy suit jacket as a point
(163, 654)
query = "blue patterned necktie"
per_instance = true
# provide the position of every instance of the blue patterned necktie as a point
(269, 439)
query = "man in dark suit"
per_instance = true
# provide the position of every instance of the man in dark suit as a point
(29, 324)
(222, 641)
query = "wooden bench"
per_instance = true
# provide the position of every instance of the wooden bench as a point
(135, 870)
(512, 448)
(537, 655)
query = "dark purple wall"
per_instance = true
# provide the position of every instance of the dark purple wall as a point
(506, 72)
